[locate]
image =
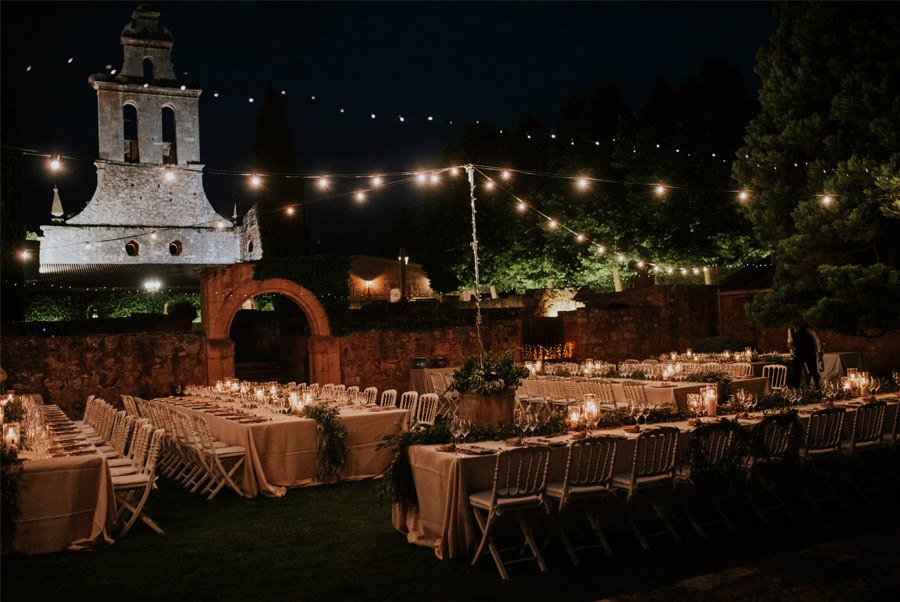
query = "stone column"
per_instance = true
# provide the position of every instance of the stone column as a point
(219, 359)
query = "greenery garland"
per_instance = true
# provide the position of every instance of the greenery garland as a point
(721, 478)
(331, 452)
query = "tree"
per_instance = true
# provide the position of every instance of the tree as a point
(283, 233)
(822, 159)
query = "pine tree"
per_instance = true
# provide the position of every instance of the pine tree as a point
(822, 161)
(283, 232)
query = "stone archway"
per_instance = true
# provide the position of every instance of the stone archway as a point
(223, 290)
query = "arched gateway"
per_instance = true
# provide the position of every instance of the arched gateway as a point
(223, 290)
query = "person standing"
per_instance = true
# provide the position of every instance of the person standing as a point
(807, 348)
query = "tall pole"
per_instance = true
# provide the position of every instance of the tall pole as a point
(403, 261)
(470, 171)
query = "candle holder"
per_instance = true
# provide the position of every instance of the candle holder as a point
(710, 399)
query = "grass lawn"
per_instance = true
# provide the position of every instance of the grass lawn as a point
(337, 543)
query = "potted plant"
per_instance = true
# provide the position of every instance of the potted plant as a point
(487, 388)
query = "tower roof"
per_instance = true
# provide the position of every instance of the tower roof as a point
(144, 28)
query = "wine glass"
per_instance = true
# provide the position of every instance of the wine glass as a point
(465, 426)
(694, 403)
(645, 412)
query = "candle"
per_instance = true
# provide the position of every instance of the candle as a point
(296, 404)
(11, 433)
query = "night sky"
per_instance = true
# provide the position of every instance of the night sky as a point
(459, 62)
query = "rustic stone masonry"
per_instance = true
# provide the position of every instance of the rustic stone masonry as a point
(66, 369)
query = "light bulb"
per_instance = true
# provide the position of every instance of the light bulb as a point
(601, 249)
(376, 181)
(582, 183)
(360, 196)
(826, 200)
(641, 264)
(435, 178)
(454, 171)
(552, 222)
(255, 181)
(421, 178)
(620, 258)
(505, 174)
(660, 190)
(55, 163)
(489, 185)
(579, 237)
(744, 195)
(290, 210)
(521, 206)
(323, 182)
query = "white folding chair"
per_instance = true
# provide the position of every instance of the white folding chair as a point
(777, 375)
(520, 482)
(388, 397)
(408, 401)
(652, 469)
(426, 409)
(132, 490)
(371, 394)
(588, 475)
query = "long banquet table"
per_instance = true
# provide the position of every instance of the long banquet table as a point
(66, 501)
(281, 451)
(444, 480)
(675, 393)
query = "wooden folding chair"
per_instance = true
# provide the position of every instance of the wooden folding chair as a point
(822, 445)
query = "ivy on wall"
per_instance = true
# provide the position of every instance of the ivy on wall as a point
(326, 276)
(59, 307)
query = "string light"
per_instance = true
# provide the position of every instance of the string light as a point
(620, 258)
(826, 200)
(435, 178)
(521, 206)
(744, 195)
(24, 255)
(489, 185)
(421, 178)
(255, 181)
(376, 181)
(641, 264)
(579, 237)
(552, 223)
(660, 190)
(360, 196)
(290, 210)
(505, 174)
(55, 163)
(323, 183)
(454, 171)
(601, 249)
(582, 183)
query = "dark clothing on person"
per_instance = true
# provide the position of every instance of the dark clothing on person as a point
(805, 355)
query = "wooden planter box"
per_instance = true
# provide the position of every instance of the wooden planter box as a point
(481, 409)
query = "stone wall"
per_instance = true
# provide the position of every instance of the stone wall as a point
(66, 369)
(383, 358)
(640, 323)
(882, 354)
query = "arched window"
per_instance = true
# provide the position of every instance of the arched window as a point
(132, 249)
(170, 151)
(130, 131)
(175, 248)
(148, 71)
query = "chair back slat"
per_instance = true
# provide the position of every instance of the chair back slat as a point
(777, 375)
(591, 462)
(426, 409)
(521, 472)
(388, 397)
(824, 430)
(654, 452)
(408, 400)
(868, 423)
(371, 394)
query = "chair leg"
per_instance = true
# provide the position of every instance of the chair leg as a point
(595, 525)
(693, 520)
(486, 528)
(722, 516)
(135, 510)
(529, 540)
(637, 532)
(660, 512)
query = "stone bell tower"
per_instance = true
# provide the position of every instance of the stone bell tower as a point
(149, 205)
